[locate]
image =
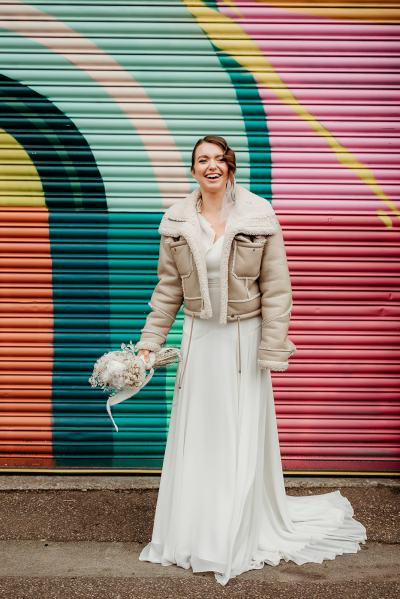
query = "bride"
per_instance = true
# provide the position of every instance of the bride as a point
(221, 504)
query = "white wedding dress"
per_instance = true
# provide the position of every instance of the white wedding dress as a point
(222, 504)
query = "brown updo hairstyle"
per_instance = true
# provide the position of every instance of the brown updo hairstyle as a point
(228, 153)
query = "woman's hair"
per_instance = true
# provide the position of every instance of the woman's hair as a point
(229, 154)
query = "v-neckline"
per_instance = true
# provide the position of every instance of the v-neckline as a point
(220, 237)
(212, 228)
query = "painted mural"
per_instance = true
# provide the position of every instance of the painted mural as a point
(101, 105)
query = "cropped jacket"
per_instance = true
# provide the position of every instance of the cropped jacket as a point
(254, 275)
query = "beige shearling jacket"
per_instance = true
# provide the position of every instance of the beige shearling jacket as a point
(254, 272)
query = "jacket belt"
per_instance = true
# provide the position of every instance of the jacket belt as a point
(239, 356)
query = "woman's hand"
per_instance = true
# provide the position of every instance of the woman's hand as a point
(145, 353)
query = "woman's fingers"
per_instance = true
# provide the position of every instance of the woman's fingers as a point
(145, 354)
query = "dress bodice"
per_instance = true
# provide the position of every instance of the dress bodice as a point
(213, 260)
(212, 249)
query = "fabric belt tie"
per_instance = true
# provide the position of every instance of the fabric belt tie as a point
(126, 393)
(240, 356)
(187, 354)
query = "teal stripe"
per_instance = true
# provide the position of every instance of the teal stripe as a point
(81, 430)
(133, 247)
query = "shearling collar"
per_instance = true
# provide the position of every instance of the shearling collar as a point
(250, 210)
(251, 214)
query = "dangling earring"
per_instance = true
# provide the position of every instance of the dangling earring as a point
(233, 189)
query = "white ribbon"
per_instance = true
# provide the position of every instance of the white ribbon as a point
(126, 393)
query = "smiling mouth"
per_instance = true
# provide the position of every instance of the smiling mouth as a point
(213, 177)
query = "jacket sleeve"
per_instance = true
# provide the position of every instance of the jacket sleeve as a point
(276, 304)
(165, 301)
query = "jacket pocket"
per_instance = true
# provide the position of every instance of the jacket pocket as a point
(247, 256)
(183, 257)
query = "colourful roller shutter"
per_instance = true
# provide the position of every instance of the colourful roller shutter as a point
(101, 104)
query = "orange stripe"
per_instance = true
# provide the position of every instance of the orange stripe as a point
(26, 338)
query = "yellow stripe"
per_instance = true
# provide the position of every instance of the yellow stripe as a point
(23, 187)
(217, 25)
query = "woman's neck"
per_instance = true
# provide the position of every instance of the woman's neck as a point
(211, 203)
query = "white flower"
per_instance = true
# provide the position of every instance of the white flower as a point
(122, 368)
(118, 369)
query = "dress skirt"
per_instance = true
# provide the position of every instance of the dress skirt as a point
(222, 505)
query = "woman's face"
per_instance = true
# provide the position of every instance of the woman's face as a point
(210, 167)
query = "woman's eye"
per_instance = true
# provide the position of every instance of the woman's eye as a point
(205, 160)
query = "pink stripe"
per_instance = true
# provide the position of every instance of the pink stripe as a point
(374, 158)
(295, 202)
(370, 128)
(321, 47)
(320, 30)
(326, 190)
(338, 111)
(287, 158)
(337, 174)
(334, 95)
(288, 202)
(313, 142)
(350, 80)
(282, 36)
(314, 64)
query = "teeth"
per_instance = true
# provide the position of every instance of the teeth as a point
(213, 176)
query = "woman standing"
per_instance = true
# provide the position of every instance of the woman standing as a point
(222, 505)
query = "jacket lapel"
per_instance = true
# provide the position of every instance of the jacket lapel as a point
(181, 219)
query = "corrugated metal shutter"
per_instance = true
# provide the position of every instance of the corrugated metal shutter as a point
(101, 106)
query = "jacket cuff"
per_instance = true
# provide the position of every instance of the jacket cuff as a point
(150, 345)
(278, 366)
(274, 358)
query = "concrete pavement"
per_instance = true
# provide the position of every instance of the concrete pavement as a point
(80, 536)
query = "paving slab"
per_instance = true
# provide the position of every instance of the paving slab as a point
(84, 558)
(30, 569)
